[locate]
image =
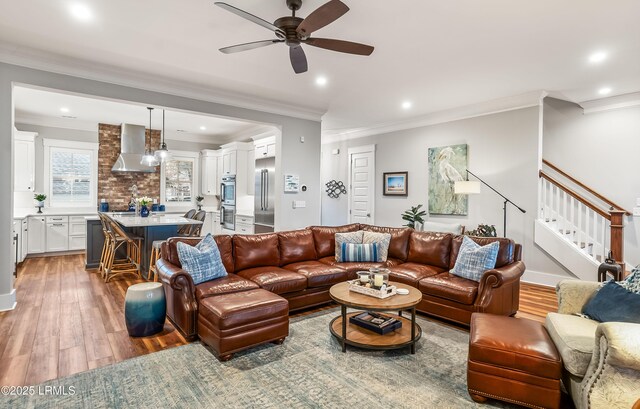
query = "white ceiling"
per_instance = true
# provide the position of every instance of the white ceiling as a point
(43, 107)
(438, 54)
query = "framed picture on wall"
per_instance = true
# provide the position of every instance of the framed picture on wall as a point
(395, 183)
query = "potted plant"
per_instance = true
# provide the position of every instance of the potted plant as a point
(199, 200)
(39, 197)
(413, 216)
(144, 205)
(483, 230)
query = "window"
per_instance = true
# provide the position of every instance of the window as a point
(179, 179)
(70, 173)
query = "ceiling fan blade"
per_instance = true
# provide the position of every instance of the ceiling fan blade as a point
(320, 17)
(298, 59)
(254, 19)
(249, 46)
(340, 46)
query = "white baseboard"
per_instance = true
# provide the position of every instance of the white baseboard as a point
(545, 279)
(8, 301)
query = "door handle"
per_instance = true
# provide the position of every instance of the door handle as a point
(368, 214)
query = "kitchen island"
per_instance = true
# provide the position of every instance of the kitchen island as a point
(157, 226)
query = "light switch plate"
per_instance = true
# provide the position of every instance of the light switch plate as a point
(636, 211)
(298, 204)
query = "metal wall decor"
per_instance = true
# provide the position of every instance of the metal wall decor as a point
(335, 189)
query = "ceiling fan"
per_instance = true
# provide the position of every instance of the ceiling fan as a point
(295, 31)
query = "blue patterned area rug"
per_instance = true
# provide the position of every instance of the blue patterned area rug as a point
(308, 370)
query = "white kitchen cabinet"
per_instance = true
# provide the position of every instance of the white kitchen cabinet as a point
(24, 161)
(251, 170)
(229, 162)
(37, 232)
(265, 148)
(207, 225)
(57, 236)
(217, 227)
(244, 225)
(77, 232)
(24, 240)
(210, 184)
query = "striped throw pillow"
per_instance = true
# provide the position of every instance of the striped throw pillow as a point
(202, 261)
(352, 252)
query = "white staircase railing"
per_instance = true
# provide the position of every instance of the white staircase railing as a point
(594, 227)
(583, 226)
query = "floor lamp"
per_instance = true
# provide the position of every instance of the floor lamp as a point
(466, 187)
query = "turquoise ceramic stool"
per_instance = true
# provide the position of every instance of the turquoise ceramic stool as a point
(145, 309)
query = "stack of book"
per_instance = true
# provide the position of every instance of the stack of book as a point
(376, 322)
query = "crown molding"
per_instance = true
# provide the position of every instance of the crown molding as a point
(254, 133)
(46, 61)
(91, 126)
(609, 103)
(527, 100)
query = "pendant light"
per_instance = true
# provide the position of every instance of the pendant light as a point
(163, 153)
(148, 159)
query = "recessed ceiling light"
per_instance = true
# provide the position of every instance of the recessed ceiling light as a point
(64, 109)
(81, 12)
(321, 81)
(604, 90)
(407, 105)
(203, 128)
(597, 57)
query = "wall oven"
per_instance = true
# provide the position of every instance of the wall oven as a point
(228, 190)
(228, 217)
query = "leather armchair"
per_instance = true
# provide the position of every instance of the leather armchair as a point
(601, 360)
(499, 290)
(180, 293)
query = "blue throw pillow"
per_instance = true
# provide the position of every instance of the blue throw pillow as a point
(473, 259)
(202, 262)
(613, 303)
(352, 252)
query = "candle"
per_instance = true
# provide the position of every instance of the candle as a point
(378, 280)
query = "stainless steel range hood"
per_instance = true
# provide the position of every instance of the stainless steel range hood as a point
(132, 140)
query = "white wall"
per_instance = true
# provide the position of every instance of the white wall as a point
(602, 150)
(503, 150)
(293, 159)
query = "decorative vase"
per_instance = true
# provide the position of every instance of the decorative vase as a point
(199, 206)
(145, 309)
(144, 211)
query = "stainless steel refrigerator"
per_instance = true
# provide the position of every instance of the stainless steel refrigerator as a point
(264, 195)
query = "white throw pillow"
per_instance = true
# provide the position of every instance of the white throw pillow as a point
(382, 240)
(354, 237)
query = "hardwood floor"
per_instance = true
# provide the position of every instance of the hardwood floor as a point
(68, 320)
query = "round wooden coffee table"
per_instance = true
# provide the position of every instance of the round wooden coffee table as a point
(350, 334)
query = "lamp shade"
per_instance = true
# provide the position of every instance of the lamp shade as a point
(466, 187)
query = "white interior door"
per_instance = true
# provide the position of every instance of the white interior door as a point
(362, 184)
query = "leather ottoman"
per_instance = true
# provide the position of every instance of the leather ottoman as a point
(233, 322)
(513, 360)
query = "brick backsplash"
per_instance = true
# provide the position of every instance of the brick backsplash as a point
(114, 186)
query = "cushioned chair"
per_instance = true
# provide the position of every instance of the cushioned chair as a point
(601, 360)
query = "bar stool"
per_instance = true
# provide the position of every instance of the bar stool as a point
(185, 230)
(119, 237)
(106, 246)
(197, 228)
(154, 257)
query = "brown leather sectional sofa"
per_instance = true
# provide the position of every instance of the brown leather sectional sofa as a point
(300, 267)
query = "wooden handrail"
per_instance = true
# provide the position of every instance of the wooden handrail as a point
(576, 196)
(585, 187)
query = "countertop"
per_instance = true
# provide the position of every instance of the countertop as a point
(21, 213)
(154, 220)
